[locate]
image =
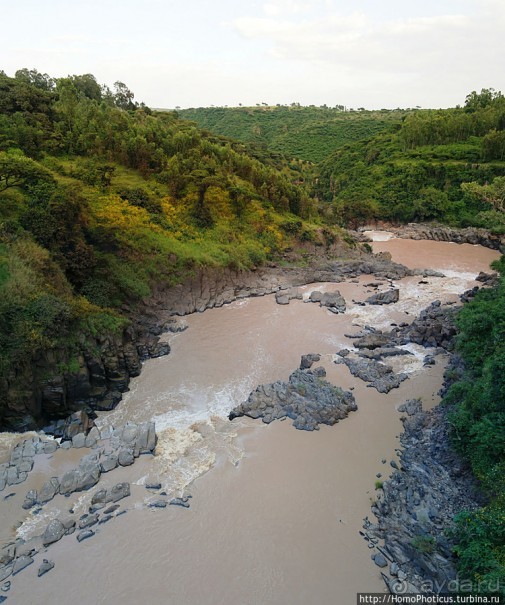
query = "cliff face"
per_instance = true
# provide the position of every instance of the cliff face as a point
(60, 381)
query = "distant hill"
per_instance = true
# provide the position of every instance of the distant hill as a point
(306, 133)
(446, 165)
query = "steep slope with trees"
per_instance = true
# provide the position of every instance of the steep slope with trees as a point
(99, 201)
(432, 168)
(478, 422)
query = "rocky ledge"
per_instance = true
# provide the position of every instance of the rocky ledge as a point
(111, 447)
(416, 506)
(306, 398)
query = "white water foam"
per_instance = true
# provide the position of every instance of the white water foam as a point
(379, 236)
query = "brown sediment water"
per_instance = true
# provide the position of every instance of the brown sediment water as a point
(276, 512)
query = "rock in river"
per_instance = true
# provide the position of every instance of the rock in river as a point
(305, 398)
(384, 298)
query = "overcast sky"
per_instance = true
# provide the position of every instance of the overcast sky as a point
(192, 53)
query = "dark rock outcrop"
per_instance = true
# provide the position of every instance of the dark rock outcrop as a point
(333, 301)
(434, 327)
(308, 360)
(441, 233)
(417, 504)
(384, 298)
(379, 375)
(305, 398)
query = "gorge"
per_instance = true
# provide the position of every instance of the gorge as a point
(275, 513)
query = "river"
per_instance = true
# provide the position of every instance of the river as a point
(275, 512)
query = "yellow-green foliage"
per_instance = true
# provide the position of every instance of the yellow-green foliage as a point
(100, 199)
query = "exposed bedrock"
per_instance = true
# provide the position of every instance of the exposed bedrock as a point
(416, 506)
(306, 398)
(441, 233)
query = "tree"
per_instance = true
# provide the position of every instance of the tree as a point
(493, 193)
(431, 204)
(123, 96)
(475, 100)
(87, 86)
(35, 78)
(16, 170)
(357, 211)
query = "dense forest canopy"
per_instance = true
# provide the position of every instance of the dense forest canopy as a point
(478, 421)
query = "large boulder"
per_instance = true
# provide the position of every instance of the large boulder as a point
(333, 301)
(49, 490)
(54, 532)
(384, 298)
(83, 477)
(308, 360)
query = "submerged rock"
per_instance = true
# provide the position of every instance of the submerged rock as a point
(113, 494)
(180, 502)
(84, 535)
(21, 563)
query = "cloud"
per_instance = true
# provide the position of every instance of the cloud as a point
(441, 50)
(279, 7)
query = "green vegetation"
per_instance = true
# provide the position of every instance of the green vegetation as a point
(100, 199)
(479, 432)
(423, 544)
(306, 133)
(431, 168)
(379, 484)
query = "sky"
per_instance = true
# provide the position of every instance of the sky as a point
(198, 53)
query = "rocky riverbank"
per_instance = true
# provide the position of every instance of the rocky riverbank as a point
(416, 506)
(58, 383)
(107, 450)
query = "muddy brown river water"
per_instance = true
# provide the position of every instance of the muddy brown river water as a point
(275, 512)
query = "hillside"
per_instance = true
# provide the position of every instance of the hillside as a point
(305, 133)
(445, 165)
(100, 200)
